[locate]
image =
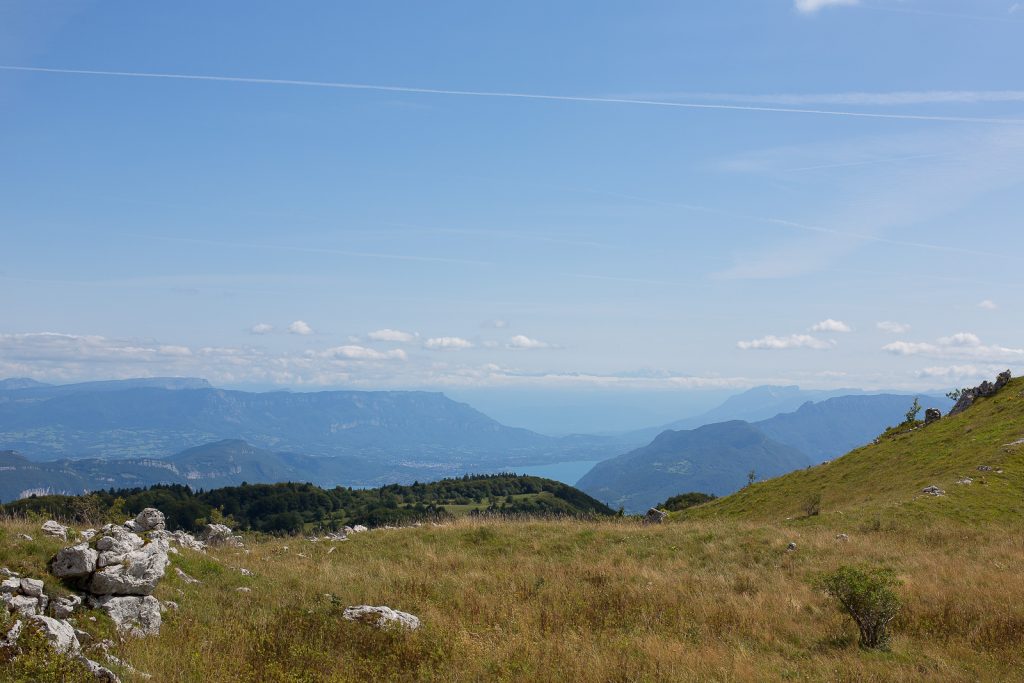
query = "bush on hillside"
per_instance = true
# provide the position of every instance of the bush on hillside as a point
(869, 597)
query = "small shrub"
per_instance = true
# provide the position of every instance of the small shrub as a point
(869, 597)
(812, 506)
(911, 416)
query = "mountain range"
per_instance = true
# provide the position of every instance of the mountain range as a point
(157, 417)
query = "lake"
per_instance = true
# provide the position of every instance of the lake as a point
(565, 472)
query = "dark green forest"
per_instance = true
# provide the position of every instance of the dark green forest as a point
(290, 508)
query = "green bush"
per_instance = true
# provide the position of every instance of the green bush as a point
(869, 596)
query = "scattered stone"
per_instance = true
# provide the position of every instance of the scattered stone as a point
(933, 491)
(984, 468)
(246, 572)
(185, 577)
(62, 608)
(169, 605)
(129, 524)
(99, 671)
(23, 605)
(7, 572)
(243, 589)
(84, 637)
(932, 415)
(842, 537)
(358, 529)
(381, 617)
(25, 537)
(132, 614)
(87, 534)
(966, 481)
(219, 534)
(76, 561)
(11, 585)
(32, 587)
(10, 641)
(791, 548)
(150, 519)
(52, 528)
(60, 634)
(655, 516)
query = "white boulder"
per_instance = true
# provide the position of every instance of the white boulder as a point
(76, 561)
(60, 634)
(115, 544)
(133, 615)
(32, 587)
(52, 528)
(381, 617)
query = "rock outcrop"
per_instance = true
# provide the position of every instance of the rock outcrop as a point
(932, 415)
(983, 390)
(74, 562)
(150, 519)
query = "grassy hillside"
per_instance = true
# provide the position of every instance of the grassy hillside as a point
(709, 600)
(884, 480)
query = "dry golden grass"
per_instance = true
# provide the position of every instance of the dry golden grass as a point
(605, 601)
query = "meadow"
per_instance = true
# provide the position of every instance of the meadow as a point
(700, 600)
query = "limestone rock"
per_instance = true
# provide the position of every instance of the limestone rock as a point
(842, 537)
(52, 528)
(87, 534)
(150, 519)
(10, 640)
(98, 671)
(185, 577)
(32, 587)
(59, 632)
(655, 516)
(219, 534)
(23, 604)
(133, 615)
(358, 529)
(983, 390)
(76, 561)
(931, 415)
(933, 491)
(381, 617)
(62, 608)
(115, 544)
(25, 537)
(791, 547)
(11, 585)
(137, 574)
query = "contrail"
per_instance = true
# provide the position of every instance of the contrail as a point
(512, 95)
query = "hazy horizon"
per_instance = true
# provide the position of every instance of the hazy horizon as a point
(514, 202)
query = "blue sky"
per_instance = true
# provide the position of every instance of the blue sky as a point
(263, 233)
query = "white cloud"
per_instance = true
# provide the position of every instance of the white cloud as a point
(521, 341)
(389, 335)
(892, 327)
(495, 324)
(809, 6)
(959, 372)
(987, 305)
(831, 325)
(354, 352)
(793, 341)
(449, 343)
(300, 327)
(261, 328)
(960, 345)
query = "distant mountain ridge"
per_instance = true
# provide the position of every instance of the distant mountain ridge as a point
(679, 460)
